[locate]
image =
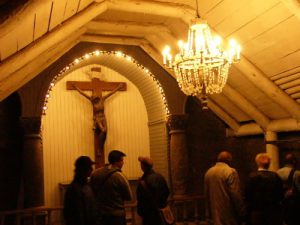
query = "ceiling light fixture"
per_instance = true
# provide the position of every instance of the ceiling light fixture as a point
(201, 66)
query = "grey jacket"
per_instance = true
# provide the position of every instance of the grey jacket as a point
(111, 189)
(224, 204)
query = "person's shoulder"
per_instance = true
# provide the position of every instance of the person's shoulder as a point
(297, 175)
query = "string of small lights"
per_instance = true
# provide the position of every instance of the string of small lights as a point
(98, 53)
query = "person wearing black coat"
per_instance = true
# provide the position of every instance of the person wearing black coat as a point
(152, 193)
(263, 194)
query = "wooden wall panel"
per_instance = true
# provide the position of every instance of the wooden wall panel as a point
(67, 130)
(159, 146)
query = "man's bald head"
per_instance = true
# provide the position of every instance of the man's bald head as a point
(224, 157)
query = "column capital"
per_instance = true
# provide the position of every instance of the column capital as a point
(177, 121)
(31, 125)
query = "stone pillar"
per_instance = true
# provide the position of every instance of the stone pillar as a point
(272, 149)
(178, 153)
(33, 170)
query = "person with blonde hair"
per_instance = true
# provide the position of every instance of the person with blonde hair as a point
(263, 194)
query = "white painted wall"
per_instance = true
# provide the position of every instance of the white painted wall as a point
(67, 129)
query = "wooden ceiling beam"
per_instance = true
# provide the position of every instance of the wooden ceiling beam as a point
(269, 88)
(30, 70)
(246, 106)
(132, 29)
(293, 6)
(231, 122)
(29, 9)
(144, 44)
(166, 9)
(21, 58)
(107, 39)
(280, 125)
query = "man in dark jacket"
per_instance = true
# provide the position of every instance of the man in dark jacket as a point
(79, 202)
(152, 193)
(264, 193)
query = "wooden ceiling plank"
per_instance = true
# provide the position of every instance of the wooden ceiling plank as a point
(244, 15)
(84, 3)
(24, 32)
(42, 20)
(287, 78)
(293, 90)
(223, 10)
(8, 45)
(283, 74)
(261, 24)
(57, 16)
(27, 11)
(72, 7)
(272, 38)
(285, 63)
(293, 6)
(30, 70)
(296, 95)
(290, 84)
(207, 6)
(10, 65)
(278, 51)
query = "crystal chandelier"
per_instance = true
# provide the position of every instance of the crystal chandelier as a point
(201, 66)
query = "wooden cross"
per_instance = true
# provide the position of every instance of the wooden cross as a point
(96, 86)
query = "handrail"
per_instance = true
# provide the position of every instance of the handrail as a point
(47, 211)
(186, 208)
(179, 202)
(182, 198)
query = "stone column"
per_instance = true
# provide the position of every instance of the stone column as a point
(178, 153)
(33, 170)
(272, 149)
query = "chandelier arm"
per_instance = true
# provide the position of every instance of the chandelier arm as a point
(197, 10)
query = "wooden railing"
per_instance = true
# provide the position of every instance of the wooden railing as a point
(49, 216)
(32, 216)
(188, 209)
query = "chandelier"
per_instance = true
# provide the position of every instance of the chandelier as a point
(201, 66)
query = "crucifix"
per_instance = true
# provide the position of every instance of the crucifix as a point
(97, 99)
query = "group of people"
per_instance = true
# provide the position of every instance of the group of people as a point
(97, 197)
(269, 198)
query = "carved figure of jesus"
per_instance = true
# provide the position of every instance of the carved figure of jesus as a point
(97, 100)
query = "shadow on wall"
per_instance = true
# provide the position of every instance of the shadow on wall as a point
(10, 152)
